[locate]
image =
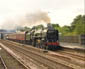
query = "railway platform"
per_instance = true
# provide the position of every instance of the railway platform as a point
(72, 45)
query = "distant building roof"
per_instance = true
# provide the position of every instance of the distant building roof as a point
(6, 31)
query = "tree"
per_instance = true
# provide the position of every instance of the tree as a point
(23, 29)
(39, 26)
(65, 30)
(26, 28)
(75, 21)
(77, 27)
(56, 26)
(80, 26)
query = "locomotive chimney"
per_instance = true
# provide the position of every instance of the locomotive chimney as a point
(49, 26)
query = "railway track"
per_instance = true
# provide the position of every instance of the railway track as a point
(78, 50)
(2, 63)
(63, 52)
(74, 59)
(72, 54)
(46, 62)
(66, 51)
(9, 61)
(70, 58)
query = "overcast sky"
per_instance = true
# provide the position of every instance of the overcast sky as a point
(60, 11)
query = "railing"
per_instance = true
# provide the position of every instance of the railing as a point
(73, 39)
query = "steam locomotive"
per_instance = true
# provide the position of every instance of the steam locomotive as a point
(47, 38)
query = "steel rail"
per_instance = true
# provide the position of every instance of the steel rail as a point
(2, 61)
(17, 44)
(51, 63)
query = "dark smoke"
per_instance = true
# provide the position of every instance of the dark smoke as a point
(38, 17)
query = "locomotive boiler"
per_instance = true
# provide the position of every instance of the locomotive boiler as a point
(47, 38)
